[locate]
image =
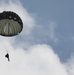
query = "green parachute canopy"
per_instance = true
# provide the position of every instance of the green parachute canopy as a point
(10, 24)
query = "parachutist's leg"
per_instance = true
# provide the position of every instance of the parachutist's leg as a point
(8, 59)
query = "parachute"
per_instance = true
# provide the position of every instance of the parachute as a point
(10, 24)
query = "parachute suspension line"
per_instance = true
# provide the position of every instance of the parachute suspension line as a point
(5, 48)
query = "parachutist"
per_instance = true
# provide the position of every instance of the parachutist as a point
(7, 56)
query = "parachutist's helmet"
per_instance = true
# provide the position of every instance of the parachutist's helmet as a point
(10, 24)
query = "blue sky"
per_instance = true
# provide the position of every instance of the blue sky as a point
(45, 45)
(59, 12)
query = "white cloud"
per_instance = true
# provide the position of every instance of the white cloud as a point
(37, 60)
(46, 32)
(70, 65)
(52, 33)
